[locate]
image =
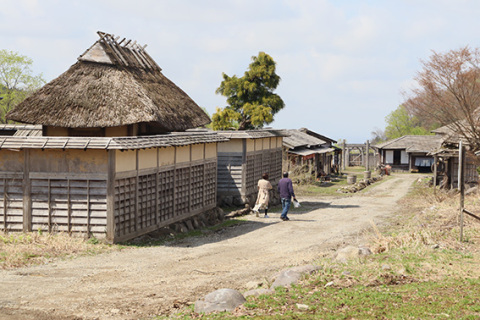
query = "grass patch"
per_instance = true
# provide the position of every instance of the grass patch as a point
(419, 270)
(330, 188)
(23, 249)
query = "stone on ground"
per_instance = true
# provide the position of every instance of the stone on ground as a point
(220, 300)
(351, 253)
(291, 276)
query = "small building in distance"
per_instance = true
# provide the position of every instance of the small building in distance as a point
(115, 159)
(303, 147)
(447, 159)
(409, 153)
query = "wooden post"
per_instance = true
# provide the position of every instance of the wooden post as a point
(137, 220)
(69, 208)
(367, 157)
(174, 209)
(190, 181)
(110, 237)
(345, 158)
(27, 194)
(243, 187)
(461, 184)
(435, 174)
(157, 191)
(343, 155)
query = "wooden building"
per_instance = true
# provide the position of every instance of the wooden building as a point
(446, 159)
(304, 147)
(106, 164)
(242, 161)
(113, 188)
(409, 153)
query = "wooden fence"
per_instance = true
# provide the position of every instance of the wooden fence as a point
(78, 203)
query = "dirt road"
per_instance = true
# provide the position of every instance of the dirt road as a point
(142, 282)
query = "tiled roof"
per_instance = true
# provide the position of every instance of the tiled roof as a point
(109, 143)
(413, 143)
(253, 134)
(297, 138)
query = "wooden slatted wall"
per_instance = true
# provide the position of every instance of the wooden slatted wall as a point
(11, 205)
(259, 162)
(471, 174)
(71, 204)
(168, 195)
(230, 171)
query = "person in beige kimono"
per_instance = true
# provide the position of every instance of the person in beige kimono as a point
(264, 187)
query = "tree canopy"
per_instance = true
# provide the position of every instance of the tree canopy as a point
(449, 93)
(251, 100)
(16, 80)
(400, 123)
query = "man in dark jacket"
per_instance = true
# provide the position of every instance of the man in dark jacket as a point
(285, 188)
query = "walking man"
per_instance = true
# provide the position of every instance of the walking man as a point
(285, 188)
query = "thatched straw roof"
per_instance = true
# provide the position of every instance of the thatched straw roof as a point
(112, 84)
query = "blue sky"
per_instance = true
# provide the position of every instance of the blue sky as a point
(344, 64)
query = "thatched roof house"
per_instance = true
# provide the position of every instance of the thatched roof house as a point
(105, 164)
(114, 89)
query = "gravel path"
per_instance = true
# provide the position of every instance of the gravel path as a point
(142, 282)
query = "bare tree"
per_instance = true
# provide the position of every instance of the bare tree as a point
(378, 136)
(449, 93)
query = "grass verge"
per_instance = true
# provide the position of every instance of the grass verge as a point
(23, 249)
(33, 248)
(419, 270)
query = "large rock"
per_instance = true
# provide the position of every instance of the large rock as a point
(291, 276)
(220, 300)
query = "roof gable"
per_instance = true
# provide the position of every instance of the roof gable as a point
(112, 84)
(126, 53)
(297, 138)
(413, 143)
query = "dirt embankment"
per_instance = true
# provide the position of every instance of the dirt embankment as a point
(141, 282)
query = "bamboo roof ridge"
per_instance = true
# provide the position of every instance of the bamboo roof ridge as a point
(114, 83)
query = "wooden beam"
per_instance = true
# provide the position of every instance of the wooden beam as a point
(88, 208)
(157, 193)
(110, 237)
(471, 214)
(190, 180)
(27, 193)
(49, 203)
(69, 208)
(435, 159)
(5, 203)
(461, 184)
(137, 196)
(243, 189)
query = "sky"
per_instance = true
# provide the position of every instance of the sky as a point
(344, 64)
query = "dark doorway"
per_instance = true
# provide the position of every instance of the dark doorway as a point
(397, 155)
